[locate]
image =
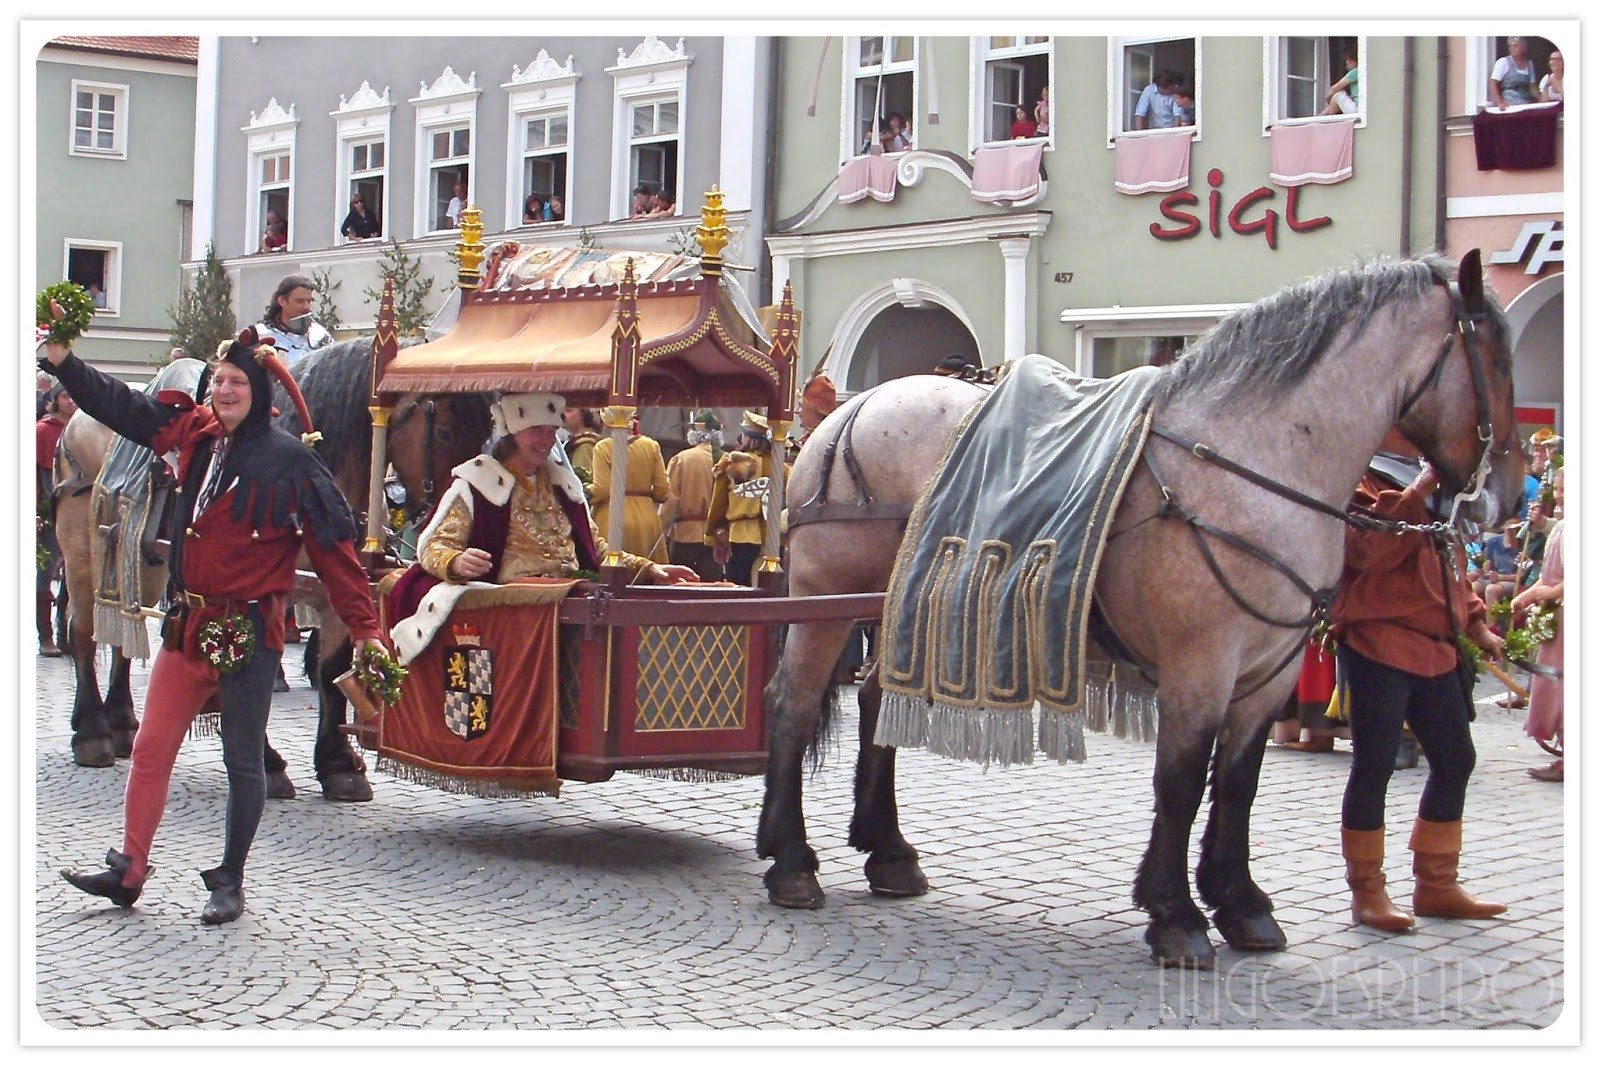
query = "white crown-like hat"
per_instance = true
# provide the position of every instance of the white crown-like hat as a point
(520, 410)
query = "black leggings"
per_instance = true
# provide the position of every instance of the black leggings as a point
(1382, 701)
(246, 699)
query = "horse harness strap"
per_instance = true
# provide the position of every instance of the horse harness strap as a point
(1321, 599)
(820, 509)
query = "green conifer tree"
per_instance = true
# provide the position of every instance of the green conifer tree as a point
(204, 317)
(411, 291)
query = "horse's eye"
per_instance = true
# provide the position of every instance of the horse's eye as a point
(444, 434)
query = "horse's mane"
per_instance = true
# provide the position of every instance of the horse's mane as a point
(1262, 351)
(334, 380)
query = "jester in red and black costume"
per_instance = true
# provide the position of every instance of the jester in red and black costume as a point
(250, 497)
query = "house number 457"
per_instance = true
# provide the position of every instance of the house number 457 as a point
(1064, 277)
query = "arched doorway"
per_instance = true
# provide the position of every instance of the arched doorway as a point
(1536, 318)
(908, 340)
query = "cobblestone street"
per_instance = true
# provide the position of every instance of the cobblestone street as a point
(638, 904)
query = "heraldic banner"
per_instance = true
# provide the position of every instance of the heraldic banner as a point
(478, 711)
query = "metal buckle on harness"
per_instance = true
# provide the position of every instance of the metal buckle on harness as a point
(193, 599)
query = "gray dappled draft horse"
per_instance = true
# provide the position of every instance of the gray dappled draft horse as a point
(428, 435)
(1301, 387)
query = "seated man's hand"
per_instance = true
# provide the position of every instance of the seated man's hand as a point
(671, 574)
(471, 564)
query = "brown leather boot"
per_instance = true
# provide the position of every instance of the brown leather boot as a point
(1438, 856)
(47, 646)
(1363, 872)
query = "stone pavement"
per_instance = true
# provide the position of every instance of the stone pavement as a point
(637, 903)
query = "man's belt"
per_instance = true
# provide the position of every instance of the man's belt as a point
(194, 600)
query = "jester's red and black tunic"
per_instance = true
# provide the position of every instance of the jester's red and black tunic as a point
(277, 497)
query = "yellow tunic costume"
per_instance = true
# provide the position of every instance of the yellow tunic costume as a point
(647, 487)
(735, 519)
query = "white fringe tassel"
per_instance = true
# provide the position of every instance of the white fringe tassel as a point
(465, 786)
(687, 773)
(113, 627)
(206, 725)
(1113, 703)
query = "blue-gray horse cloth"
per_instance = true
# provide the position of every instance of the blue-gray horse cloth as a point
(123, 497)
(988, 605)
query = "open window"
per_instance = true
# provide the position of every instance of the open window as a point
(272, 200)
(653, 141)
(362, 122)
(881, 76)
(449, 176)
(1482, 55)
(546, 140)
(269, 198)
(1155, 84)
(1016, 74)
(649, 102)
(1111, 354)
(97, 266)
(447, 115)
(541, 101)
(1302, 70)
(99, 120)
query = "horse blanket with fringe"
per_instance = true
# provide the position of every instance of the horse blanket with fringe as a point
(987, 608)
(123, 495)
(479, 707)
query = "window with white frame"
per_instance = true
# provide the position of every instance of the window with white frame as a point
(447, 114)
(272, 200)
(881, 76)
(1159, 77)
(99, 120)
(545, 140)
(653, 144)
(1111, 354)
(1301, 74)
(449, 176)
(1484, 52)
(1015, 73)
(270, 197)
(539, 156)
(97, 266)
(648, 121)
(369, 171)
(362, 128)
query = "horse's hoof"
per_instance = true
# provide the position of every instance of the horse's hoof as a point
(346, 786)
(93, 751)
(279, 787)
(1177, 947)
(798, 891)
(897, 878)
(1251, 932)
(122, 742)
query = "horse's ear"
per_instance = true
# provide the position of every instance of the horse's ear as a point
(1469, 279)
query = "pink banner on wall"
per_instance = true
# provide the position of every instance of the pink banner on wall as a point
(1314, 153)
(1154, 162)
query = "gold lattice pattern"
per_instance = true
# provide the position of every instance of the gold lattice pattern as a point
(571, 648)
(691, 677)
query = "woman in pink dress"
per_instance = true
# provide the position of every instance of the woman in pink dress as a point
(1545, 698)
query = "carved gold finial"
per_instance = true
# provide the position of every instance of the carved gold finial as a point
(470, 248)
(712, 232)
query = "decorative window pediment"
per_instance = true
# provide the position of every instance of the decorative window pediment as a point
(652, 54)
(272, 119)
(543, 73)
(447, 88)
(362, 103)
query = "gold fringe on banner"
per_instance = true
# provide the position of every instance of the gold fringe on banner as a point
(468, 786)
(206, 725)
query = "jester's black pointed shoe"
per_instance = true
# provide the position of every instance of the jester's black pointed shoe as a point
(108, 883)
(227, 896)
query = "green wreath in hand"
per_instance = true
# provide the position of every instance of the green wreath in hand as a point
(75, 301)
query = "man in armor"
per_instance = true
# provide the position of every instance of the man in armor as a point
(288, 319)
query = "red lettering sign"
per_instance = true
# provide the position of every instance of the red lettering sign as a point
(1188, 224)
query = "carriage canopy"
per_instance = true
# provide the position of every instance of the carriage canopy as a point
(608, 328)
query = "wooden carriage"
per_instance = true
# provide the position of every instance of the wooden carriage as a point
(665, 679)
